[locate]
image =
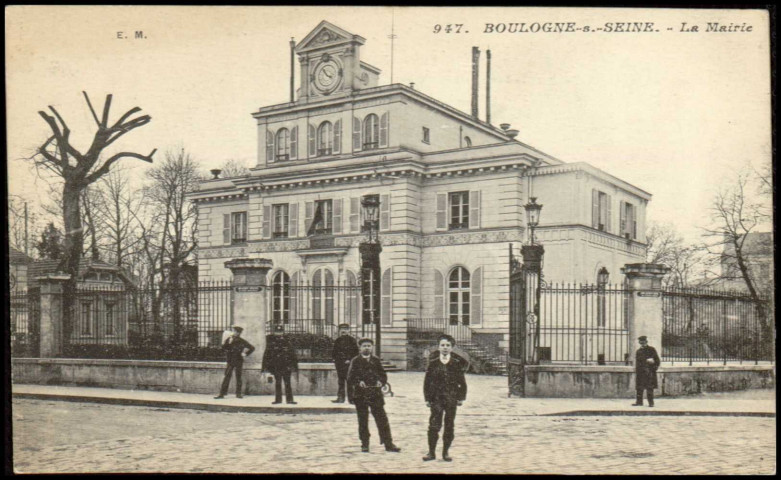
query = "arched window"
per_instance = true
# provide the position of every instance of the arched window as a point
(371, 132)
(325, 139)
(283, 144)
(458, 296)
(323, 297)
(468, 141)
(280, 294)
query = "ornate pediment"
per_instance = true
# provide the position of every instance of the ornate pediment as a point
(327, 34)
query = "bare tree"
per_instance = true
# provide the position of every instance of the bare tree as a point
(78, 170)
(24, 224)
(667, 247)
(234, 168)
(116, 207)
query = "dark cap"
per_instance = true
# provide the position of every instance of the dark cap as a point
(237, 328)
(365, 340)
(344, 325)
(279, 328)
(642, 338)
(447, 337)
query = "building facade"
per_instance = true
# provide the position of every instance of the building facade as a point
(451, 188)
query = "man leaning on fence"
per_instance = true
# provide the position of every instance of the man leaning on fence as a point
(646, 363)
(235, 348)
(345, 349)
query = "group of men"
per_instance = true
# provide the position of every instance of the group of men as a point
(362, 377)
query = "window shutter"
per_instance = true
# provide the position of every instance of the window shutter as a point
(356, 134)
(386, 290)
(311, 141)
(634, 222)
(474, 209)
(476, 297)
(355, 215)
(294, 280)
(384, 212)
(226, 229)
(309, 211)
(266, 221)
(337, 220)
(441, 211)
(293, 220)
(622, 218)
(338, 136)
(384, 130)
(594, 208)
(608, 217)
(439, 294)
(269, 145)
(294, 143)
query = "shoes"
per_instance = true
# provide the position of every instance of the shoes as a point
(218, 397)
(276, 402)
(392, 448)
(651, 405)
(338, 400)
(637, 404)
(446, 457)
(238, 395)
(365, 448)
(429, 456)
(292, 403)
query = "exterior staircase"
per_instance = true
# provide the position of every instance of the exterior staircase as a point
(390, 366)
(483, 359)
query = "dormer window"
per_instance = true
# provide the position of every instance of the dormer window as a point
(325, 139)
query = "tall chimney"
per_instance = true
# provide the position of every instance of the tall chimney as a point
(292, 70)
(488, 86)
(475, 65)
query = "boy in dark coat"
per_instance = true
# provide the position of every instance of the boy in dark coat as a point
(235, 348)
(345, 349)
(280, 360)
(365, 379)
(646, 363)
(444, 389)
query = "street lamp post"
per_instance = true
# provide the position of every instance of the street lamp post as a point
(532, 265)
(370, 265)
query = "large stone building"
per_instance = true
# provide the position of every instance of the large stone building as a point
(451, 189)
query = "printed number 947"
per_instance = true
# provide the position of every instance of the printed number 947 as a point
(449, 28)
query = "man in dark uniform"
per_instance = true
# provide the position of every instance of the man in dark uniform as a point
(646, 363)
(365, 379)
(235, 348)
(444, 389)
(345, 349)
(280, 360)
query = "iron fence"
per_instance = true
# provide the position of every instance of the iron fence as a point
(705, 325)
(24, 319)
(313, 338)
(581, 323)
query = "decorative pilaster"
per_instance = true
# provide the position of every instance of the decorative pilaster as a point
(250, 294)
(51, 329)
(644, 304)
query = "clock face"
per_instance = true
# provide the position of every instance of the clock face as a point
(327, 76)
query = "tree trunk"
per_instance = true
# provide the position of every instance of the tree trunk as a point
(74, 241)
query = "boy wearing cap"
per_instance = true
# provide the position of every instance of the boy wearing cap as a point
(365, 379)
(280, 360)
(345, 349)
(646, 363)
(235, 348)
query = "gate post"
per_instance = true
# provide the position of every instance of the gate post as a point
(250, 306)
(644, 304)
(51, 327)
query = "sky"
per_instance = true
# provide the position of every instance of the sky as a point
(676, 113)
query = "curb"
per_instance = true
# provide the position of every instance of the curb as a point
(183, 405)
(664, 413)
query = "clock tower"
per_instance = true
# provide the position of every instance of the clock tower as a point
(331, 64)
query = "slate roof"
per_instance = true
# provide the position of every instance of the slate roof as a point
(16, 257)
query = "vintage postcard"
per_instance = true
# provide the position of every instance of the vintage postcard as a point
(390, 240)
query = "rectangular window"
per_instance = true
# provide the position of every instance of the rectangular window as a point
(459, 210)
(281, 220)
(238, 227)
(630, 229)
(86, 320)
(109, 319)
(322, 222)
(426, 135)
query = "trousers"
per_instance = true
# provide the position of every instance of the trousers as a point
(380, 418)
(278, 379)
(649, 392)
(341, 373)
(232, 367)
(440, 409)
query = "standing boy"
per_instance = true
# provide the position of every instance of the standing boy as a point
(235, 348)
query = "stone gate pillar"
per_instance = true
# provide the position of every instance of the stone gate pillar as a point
(250, 302)
(644, 305)
(51, 327)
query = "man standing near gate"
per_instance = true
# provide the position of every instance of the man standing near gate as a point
(345, 349)
(646, 363)
(280, 360)
(365, 380)
(235, 348)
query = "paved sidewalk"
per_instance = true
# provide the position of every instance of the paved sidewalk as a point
(487, 396)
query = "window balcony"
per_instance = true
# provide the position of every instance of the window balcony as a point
(371, 145)
(321, 152)
(458, 226)
(283, 158)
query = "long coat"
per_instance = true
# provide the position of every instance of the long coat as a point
(645, 373)
(445, 383)
(279, 357)
(233, 349)
(369, 372)
(345, 349)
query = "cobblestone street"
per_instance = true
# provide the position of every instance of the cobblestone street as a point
(52, 436)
